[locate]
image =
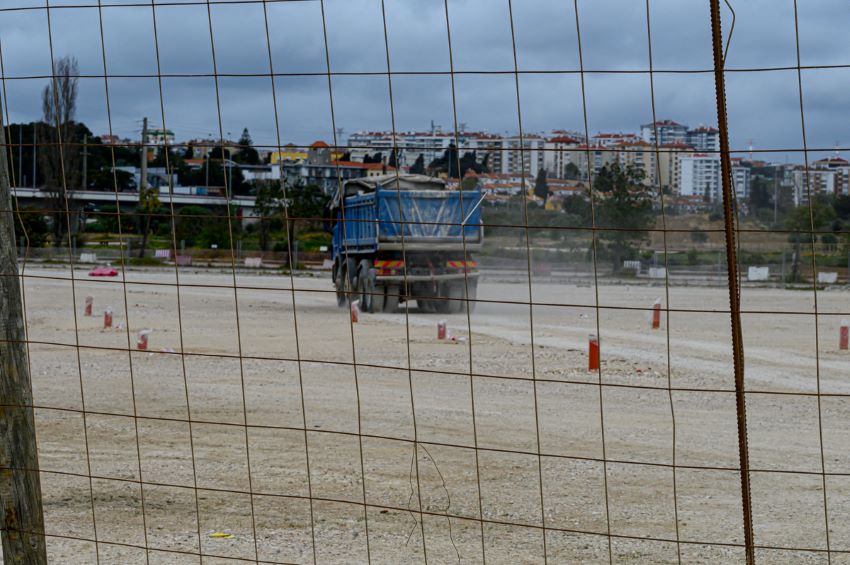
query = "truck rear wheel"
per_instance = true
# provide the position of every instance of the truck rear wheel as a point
(378, 298)
(391, 298)
(346, 283)
(463, 295)
(443, 304)
(365, 286)
(455, 303)
(339, 283)
(471, 291)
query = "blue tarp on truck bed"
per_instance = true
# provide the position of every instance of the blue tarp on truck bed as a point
(412, 216)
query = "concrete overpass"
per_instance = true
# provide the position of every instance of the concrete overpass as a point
(79, 198)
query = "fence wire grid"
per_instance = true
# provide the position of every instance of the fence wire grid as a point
(236, 407)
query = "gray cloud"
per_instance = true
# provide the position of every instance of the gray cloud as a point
(763, 106)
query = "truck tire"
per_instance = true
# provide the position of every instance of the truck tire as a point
(443, 304)
(378, 298)
(455, 294)
(471, 290)
(365, 285)
(346, 283)
(339, 284)
(391, 298)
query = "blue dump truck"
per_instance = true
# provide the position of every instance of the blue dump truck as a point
(399, 238)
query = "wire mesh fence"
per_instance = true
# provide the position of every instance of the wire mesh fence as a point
(440, 346)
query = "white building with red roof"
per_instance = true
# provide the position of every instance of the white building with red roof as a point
(559, 153)
(668, 132)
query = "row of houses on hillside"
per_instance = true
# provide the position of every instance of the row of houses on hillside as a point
(683, 160)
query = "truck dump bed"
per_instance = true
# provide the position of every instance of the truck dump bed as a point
(419, 215)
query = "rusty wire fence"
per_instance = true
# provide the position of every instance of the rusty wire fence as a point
(203, 410)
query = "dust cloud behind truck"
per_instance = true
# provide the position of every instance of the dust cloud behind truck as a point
(399, 238)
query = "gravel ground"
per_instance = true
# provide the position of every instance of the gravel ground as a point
(560, 461)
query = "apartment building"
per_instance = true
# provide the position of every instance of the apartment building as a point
(740, 180)
(668, 132)
(669, 165)
(558, 154)
(592, 158)
(517, 156)
(613, 139)
(640, 155)
(704, 139)
(700, 176)
(842, 167)
(813, 181)
(429, 144)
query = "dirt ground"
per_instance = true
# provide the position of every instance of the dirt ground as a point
(280, 449)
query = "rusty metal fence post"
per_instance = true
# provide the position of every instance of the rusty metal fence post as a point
(732, 274)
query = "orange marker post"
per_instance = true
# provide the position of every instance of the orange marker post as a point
(107, 318)
(142, 342)
(656, 314)
(844, 335)
(89, 303)
(441, 329)
(593, 353)
(355, 311)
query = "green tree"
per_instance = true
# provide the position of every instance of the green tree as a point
(447, 163)
(247, 154)
(108, 220)
(201, 227)
(148, 206)
(452, 162)
(693, 256)
(623, 210)
(418, 167)
(469, 183)
(268, 206)
(31, 227)
(761, 194)
(469, 161)
(841, 205)
(541, 186)
(60, 154)
(304, 206)
(572, 172)
(189, 223)
(393, 161)
(803, 222)
(219, 153)
(698, 236)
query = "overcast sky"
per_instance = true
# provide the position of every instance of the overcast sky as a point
(763, 106)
